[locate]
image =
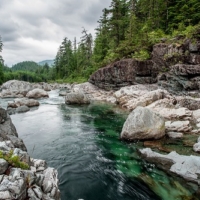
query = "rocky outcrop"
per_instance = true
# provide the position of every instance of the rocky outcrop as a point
(8, 131)
(142, 124)
(36, 182)
(181, 61)
(37, 93)
(174, 66)
(125, 72)
(187, 167)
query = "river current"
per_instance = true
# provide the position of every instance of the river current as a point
(82, 143)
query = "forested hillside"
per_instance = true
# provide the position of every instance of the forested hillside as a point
(127, 29)
(25, 66)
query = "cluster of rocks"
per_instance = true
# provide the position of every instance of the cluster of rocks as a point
(154, 113)
(37, 182)
(21, 89)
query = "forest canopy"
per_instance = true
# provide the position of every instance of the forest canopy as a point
(127, 29)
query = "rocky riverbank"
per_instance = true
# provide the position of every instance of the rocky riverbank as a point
(22, 177)
(162, 95)
(179, 117)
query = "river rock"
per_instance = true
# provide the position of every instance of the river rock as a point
(138, 95)
(23, 102)
(3, 166)
(94, 93)
(37, 93)
(196, 146)
(142, 124)
(8, 132)
(3, 115)
(174, 135)
(187, 167)
(50, 183)
(77, 98)
(178, 126)
(169, 111)
(22, 109)
(15, 184)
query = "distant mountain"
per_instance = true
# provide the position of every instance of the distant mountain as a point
(49, 62)
(25, 66)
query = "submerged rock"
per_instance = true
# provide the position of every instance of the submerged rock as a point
(187, 167)
(22, 109)
(142, 124)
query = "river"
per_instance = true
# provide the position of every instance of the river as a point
(82, 143)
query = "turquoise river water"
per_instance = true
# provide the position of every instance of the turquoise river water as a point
(82, 143)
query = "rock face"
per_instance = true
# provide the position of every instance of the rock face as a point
(39, 182)
(174, 66)
(125, 72)
(182, 61)
(76, 98)
(188, 167)
(37, 93)
(8, 131)
(142, 124)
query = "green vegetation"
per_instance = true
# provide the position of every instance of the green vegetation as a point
(13, 160)
(127, 29)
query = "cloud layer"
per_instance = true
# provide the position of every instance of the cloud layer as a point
(33, 30)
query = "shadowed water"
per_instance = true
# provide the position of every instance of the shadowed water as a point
(82, 143)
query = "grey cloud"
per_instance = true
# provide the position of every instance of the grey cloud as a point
(27, 23)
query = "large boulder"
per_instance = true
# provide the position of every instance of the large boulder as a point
(37, 93)
(77, 98)
(125, 72)
(143, 124)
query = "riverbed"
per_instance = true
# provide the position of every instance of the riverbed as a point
(83, 144)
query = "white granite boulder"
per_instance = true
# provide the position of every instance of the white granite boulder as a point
(143, 124)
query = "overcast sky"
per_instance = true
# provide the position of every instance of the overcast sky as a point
(34, 29)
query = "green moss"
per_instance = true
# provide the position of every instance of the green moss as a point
(13, 160)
